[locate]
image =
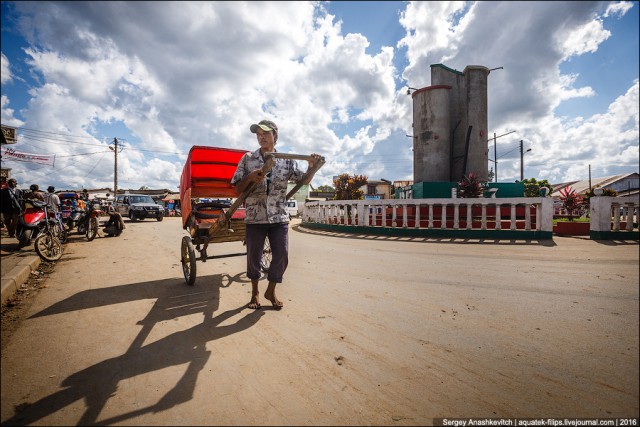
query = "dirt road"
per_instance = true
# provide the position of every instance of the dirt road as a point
(374, 331)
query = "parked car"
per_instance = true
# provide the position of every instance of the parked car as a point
(292, 207)
(138, 207)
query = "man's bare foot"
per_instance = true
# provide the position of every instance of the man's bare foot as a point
(255, 302)
(275, 302)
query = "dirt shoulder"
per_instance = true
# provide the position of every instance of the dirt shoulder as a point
(15, 309)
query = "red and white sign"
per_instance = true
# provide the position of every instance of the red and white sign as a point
(42, 159)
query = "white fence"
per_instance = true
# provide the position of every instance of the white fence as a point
(614, 214)
(521, 214)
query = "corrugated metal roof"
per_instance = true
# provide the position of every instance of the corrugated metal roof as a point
(581, 187)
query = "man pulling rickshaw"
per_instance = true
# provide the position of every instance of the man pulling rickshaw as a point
(259, 180)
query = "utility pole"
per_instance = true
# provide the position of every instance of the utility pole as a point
(522, 160)
(495, 156)
(115, 166)
(495, 150)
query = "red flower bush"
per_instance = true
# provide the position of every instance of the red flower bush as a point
(571, 201)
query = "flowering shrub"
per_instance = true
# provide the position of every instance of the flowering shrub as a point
(571, 201)
(471, 186)
(348, 187)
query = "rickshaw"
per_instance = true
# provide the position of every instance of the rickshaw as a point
(67, 205)
(206, 175)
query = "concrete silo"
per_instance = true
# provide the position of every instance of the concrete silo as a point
(464, 111)
(431, 134)
(476, 148)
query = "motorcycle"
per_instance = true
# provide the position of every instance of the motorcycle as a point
(74, 219)
(36, 218)
(48, 244)
(89, 223)
(58, 226)
(81, 221)
(31, 222)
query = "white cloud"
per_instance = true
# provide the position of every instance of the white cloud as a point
(619, 8)
(5, 72)
(177, 74)
(7, 114)
(583, 39)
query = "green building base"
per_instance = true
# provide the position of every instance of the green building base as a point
(442, 189)
(614, 235)
(434, 232)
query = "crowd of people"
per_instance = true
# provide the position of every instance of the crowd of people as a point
(12, 201)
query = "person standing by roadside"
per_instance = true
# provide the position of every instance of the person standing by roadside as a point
(53, 200)
(265, 209)
(35, 193)
(11, 201)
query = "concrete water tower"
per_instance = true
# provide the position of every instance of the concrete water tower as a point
(450, 125)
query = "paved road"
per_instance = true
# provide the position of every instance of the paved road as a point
(375, 331)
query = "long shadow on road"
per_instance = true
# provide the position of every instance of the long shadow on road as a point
(96, 384)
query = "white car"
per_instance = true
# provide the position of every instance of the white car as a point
(292, 207)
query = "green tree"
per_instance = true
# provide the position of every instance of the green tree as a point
(326, 189)
(605, 192)
(348, 187)
(532, 187)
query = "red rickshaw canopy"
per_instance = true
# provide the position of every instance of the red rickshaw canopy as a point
(207, 173)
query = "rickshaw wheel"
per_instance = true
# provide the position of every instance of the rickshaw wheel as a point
(265, 262)
(188, 259)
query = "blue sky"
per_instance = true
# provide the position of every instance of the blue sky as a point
(163, 76)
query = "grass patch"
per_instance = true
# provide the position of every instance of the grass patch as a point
(575, 219)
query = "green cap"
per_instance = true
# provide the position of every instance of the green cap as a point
(265, 125)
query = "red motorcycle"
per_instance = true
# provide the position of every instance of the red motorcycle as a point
(31, 222)
(92, 220)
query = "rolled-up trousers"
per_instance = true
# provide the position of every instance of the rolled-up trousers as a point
(278, 235)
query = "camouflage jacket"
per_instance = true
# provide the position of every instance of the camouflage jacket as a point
(266, 203)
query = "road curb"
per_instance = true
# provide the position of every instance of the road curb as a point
(18, 276)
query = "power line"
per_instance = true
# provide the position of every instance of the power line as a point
(513, 149)
(81, 154)
(55, 133)
(48, 139)
(96, 165)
